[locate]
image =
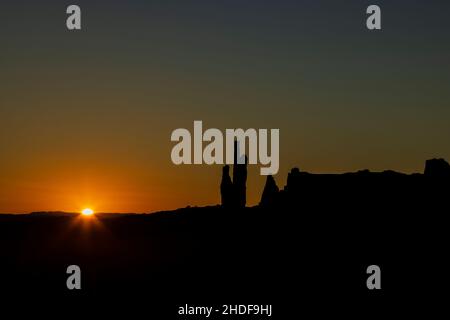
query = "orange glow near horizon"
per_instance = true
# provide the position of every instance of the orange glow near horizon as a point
(87, 212)
(78, 133)
(104, 185)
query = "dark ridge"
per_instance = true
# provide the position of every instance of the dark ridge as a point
(302, 186)
(316, 235)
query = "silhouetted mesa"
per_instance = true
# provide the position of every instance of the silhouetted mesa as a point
(362, 186)
(437, 168)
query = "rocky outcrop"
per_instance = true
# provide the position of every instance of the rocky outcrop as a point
(437, 168)
(303, 186)
(270, 193)
(226, 187)
(234, 193)
(293, 180)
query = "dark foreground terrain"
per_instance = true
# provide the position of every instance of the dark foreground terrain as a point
(307, 250)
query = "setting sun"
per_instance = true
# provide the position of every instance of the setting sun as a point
(87, 212)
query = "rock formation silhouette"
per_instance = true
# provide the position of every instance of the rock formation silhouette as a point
(270, 192)
(437, 168)
(226, 187)
(364, 184)
(293, 181)
(304, 186)
(233, 193)
(352, 218)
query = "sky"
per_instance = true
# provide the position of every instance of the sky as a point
(86, 116)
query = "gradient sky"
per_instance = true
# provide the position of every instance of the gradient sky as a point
(86, 116)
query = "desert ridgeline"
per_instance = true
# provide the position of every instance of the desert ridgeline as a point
(317, 235)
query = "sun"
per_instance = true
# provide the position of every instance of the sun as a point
(87, 212)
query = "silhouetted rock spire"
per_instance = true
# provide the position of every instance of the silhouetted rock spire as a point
(270, 192)
(226, 187)
(233, 193)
